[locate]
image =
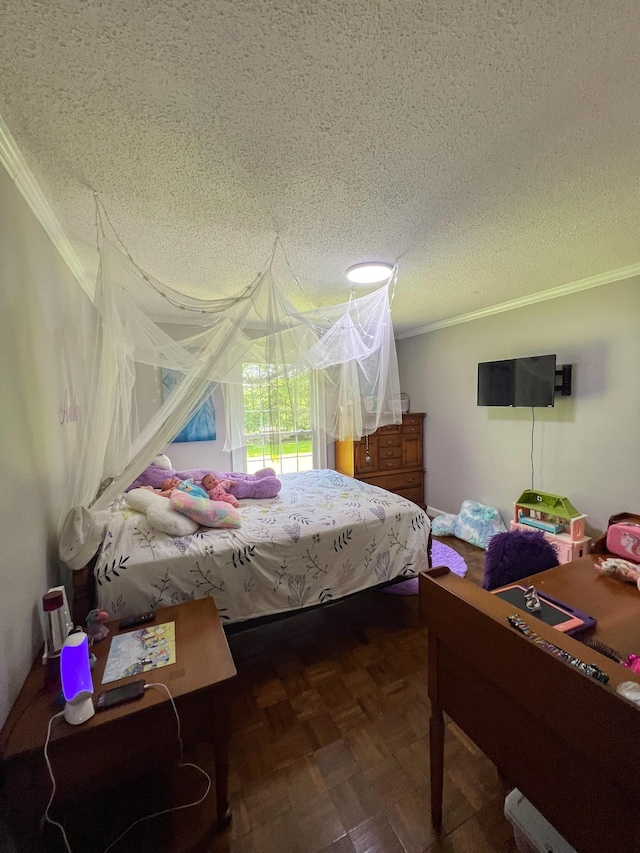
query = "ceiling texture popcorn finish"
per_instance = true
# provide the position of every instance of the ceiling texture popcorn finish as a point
(493, 148)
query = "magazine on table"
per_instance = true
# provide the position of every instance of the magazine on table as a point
(135, 652)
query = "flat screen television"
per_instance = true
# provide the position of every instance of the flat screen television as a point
(526, 382)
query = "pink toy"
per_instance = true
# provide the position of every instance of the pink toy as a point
(633, 663)
(218, 490)
(96, 630)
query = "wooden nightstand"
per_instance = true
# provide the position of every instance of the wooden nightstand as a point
(128, 740)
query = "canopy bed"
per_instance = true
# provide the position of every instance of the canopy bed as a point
(325, 536)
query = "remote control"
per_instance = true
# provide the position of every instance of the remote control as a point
(142, 619)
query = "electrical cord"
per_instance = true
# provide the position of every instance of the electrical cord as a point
(182, 763)
(53, 782)
(533, 425)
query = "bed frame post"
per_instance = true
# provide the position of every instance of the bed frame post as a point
(83, 594)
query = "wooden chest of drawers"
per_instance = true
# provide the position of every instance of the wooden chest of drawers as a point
(395, 458)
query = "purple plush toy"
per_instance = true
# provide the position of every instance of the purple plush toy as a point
(262, 484)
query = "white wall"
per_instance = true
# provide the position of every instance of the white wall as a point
(46, 326)
(587, 447)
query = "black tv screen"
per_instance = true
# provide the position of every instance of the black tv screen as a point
(517, 381)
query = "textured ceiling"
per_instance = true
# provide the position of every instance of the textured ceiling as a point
(493, 146)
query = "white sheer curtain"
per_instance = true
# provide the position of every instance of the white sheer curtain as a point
(349, 350)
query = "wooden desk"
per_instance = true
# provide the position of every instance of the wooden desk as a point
(566, 741)
(127, 740)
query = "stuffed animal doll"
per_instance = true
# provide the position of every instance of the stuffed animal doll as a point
(96, 630)
(218, 489)
(262, 484)
(161, 460)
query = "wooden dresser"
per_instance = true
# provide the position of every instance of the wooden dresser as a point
(395, 454)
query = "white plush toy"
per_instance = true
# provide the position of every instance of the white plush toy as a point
(161, 461)
(159, 513)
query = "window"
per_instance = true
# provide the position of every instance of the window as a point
(277, 421)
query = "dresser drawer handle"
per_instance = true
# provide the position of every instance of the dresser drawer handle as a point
(411, 479)
(391, 464)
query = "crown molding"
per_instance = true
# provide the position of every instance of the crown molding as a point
(22, 176)
(563, 290)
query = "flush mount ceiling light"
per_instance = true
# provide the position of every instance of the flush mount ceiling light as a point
(369, 273)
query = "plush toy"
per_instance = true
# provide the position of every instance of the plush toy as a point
(159, 512)
(262, 484)
(218, 489)
(191, 488)
(162, 461)
(96, 630)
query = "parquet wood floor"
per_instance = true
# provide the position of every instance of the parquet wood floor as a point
(329, 750)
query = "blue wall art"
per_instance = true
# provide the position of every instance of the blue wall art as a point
(202, 426)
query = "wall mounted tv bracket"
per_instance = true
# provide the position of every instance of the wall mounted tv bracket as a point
(563, 380)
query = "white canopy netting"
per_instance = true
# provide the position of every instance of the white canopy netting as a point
(346, 351)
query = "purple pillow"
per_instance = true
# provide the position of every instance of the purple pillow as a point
(514, 555)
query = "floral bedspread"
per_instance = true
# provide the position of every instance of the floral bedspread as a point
(323, 537)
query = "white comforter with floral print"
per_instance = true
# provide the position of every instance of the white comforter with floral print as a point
(325, 536)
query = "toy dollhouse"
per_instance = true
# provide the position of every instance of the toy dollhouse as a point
(556, 516)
